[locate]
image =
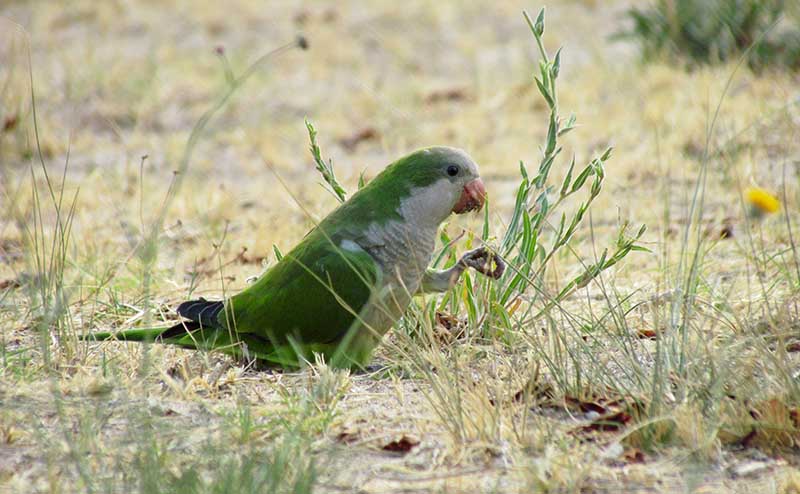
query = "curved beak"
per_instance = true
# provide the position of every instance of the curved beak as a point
(472, 198)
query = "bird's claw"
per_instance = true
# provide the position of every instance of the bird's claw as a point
(481, 260)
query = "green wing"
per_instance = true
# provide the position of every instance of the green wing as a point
(311, 297)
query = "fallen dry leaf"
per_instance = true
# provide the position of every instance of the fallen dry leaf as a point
(726, 231)
(608, 423)
(585, 406)
(647, 334)
(10, 122)
(346, 437)
(633, 455)
(9, 284)
(206, 266)
(243, 258)
(614, 412)
(776, 425)
(366, 134)
(451, 94)
(514, 305)
(449, 327)
(402, 445)
(539, 391)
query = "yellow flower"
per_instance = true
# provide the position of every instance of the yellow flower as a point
(761, 201)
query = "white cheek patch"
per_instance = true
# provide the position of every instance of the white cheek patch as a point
(429, 204)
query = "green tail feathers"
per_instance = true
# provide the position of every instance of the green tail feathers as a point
(203, 331)
(188, 335)
(146, 334)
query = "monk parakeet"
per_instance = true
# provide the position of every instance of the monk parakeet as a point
(352, 276)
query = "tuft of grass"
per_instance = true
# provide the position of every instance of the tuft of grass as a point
(711, 31)
(324, 168)
(505, 315)
(46, 233)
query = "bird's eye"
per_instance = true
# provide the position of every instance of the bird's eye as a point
(452, 170)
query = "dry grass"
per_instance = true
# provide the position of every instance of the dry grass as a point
(715, 411)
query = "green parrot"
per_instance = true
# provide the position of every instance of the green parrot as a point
(350, 279)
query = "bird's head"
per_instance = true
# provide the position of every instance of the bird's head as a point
(462, 174)
(424, 187)
(443, 180)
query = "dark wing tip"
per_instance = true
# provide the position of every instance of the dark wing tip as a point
(201, 311)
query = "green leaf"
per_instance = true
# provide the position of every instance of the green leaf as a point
(485, 232)
(567, 126)
(444, 253)
(527, 232)
(544, 171)
(469, 300)
(530, 23)
(599, 169)
(542, 202)
(556, 64)
(596, 186)
(544, 72)
(582, 178)
(568, 177)
(520, 206)
(538, 27)
(545, 92)
(552, 133)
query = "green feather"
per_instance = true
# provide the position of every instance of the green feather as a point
(311, 297)
(138, 334)
(379, 201)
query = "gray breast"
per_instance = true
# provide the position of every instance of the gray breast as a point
(404, 251)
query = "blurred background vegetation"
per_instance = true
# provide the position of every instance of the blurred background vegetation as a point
(766, 32)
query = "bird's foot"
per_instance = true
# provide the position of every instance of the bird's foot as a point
(481, 260)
